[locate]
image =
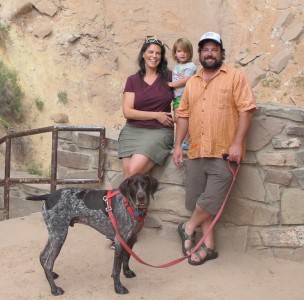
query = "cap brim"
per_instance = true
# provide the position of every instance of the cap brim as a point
(208, 40)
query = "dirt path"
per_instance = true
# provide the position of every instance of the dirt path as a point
(85, 265)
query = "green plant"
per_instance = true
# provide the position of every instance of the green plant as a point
(39, 104)
(299, 81)
(271, 82)
(5, 123)
(63, 97)
(4, 30)
(267, 82)
(47, 173)
(10, 95)
(34, 169)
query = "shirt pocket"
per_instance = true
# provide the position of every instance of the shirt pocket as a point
(225, 99)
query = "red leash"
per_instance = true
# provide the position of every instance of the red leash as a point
(107, 199)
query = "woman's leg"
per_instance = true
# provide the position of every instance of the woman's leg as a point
(137, 164)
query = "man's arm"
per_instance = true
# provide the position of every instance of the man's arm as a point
(235, 150)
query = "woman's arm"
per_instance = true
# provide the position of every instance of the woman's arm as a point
(130, 113)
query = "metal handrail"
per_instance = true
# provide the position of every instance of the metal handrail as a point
(53, 181)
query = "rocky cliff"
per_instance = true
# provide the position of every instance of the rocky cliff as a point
(86, 49)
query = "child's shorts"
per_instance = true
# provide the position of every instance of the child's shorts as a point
(176, 102)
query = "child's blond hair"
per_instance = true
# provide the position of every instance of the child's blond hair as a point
(185, 45)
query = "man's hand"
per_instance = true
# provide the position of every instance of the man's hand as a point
(235, 153)
(178, 158)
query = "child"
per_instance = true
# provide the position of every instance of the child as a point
(182, 53)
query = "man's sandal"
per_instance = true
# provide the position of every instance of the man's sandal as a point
(210, 254)
(185, 237)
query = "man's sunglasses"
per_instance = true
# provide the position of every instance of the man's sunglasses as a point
(151, 39)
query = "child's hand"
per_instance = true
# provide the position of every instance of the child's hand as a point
(170, 84)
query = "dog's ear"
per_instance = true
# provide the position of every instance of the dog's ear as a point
(124, 187)
(153, 185)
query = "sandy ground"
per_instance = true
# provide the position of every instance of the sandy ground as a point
(85, 265)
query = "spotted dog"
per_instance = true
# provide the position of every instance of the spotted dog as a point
(67, 206)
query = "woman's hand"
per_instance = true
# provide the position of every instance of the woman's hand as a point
(134, 114)
(165, 119)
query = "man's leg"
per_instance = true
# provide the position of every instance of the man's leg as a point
(199, 218)
(219, 179)
(209, 241)
(195, 186)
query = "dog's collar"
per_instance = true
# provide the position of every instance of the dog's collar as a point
(135, 214)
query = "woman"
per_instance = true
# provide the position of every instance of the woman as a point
(147, 137)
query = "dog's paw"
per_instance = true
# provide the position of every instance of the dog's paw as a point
(58, 291)
(120, 289)
(129, 274)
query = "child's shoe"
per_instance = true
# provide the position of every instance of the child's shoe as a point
(185, 145)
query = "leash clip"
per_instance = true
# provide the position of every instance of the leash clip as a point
(106, 200)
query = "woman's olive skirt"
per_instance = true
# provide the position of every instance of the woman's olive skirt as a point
(153, 143)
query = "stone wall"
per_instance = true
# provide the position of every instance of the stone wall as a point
(265, 212)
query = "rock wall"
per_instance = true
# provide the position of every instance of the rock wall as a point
(265, 210)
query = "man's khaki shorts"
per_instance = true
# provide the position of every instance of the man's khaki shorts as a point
(207, 183)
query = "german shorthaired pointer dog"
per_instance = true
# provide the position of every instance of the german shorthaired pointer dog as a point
(67, 206)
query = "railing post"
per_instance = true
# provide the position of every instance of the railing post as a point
(54, 159)
(7, 178)
(101, 152)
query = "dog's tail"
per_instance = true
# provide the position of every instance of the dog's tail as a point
(38, 197)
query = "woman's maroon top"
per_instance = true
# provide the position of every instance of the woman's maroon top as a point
(154, 97)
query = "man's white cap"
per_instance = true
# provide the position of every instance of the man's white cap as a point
(213, 36)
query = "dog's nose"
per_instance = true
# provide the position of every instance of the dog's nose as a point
(141, 197)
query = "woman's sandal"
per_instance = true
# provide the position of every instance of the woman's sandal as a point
(185, 237)
(210, 254)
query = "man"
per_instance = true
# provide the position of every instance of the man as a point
(216, 108)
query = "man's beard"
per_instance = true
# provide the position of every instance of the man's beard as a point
(214, 66)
